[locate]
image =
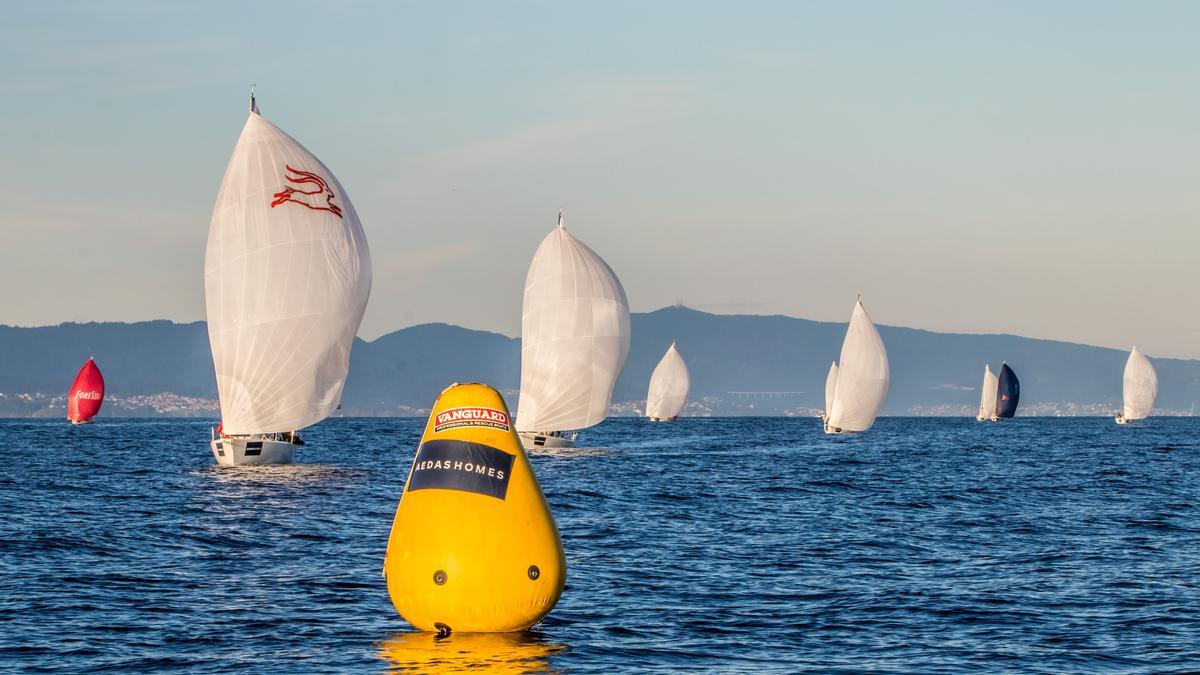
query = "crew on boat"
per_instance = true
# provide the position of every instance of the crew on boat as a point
(290, 437)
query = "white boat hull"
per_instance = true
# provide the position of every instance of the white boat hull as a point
(663, 419)
(564, 439)
(832, 430)
(250, 451)
(1121, 419)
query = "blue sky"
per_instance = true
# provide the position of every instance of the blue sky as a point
(1021, 167)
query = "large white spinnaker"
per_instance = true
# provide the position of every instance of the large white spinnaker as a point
(862, 376)
(987, 397)
(287, 274)
(574, 336)
(1140, 386)
(830, 388)
(668, 387)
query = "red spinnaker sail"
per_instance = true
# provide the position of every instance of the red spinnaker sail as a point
(87, 393)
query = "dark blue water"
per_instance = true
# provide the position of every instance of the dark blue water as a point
(925, 545)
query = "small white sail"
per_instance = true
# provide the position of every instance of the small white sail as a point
(287, 274)
(574, 336)
(987, 399)
(1141, 386)
(862, 378)
(830, 387)
(668, 387)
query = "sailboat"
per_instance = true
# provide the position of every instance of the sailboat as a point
(669, 386)
(287, 274)
(855, 387)
(1140, 388)
(830, 387)
(987, 399)
(574, 341)
(87, 394)
(1008, 393)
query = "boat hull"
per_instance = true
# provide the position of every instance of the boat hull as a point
(663, 419)
(251, 451)
(834, 431)
(549, 440)
(1121, 419)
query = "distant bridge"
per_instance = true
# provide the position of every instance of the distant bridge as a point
(763, 395)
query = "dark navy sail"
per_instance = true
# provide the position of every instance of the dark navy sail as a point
(1008, 393)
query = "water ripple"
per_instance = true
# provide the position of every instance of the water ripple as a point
(708, 545)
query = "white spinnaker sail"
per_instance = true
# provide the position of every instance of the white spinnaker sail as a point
(830, 388)
(862, 380)
(287, 274)
(574, 336)
(987, 397)
(668, 386)
(1141, 386)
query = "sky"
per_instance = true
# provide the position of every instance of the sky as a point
(1015, 167)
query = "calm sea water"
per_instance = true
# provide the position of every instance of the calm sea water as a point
(925, 545)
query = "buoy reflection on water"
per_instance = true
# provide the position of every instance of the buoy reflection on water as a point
(520, 652)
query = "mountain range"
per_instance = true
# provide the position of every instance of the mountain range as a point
(740, 364)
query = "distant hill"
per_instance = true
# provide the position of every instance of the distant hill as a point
(928, 370)
(136, 358)
(411, 366)
(403, 371)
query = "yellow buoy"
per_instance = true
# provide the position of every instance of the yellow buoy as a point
(473, 545)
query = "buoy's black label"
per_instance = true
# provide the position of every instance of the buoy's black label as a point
(461, 465)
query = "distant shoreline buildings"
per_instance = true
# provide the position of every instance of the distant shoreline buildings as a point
(27, 405)
(741, 365)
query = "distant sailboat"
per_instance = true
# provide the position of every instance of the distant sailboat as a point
(987, 399)
(574, 341)
(287, 274)
(858, 382)
(1008, 394)
(1140, 388)
(668, 387)
(87, 394)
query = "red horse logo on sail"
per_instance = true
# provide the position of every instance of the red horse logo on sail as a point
(302, 179)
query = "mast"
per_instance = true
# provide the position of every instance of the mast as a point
(830, 388)
(1139, 386)
(1008, 393)
(287, 274)
(575, 335)
(862, 375)
(87, 393)
(987, 393)
(669, 385)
